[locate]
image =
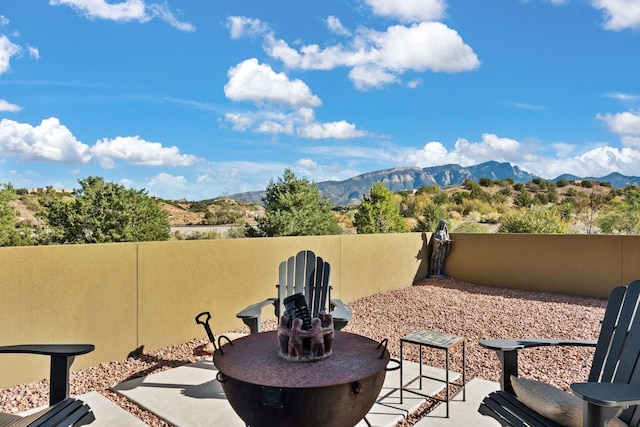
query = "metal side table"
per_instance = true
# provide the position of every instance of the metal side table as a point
(437, 340)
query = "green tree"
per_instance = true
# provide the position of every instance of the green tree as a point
(102, 212)
(537, 219)
(431, 215)
(12, 233)
(378, 213)
(294, 207)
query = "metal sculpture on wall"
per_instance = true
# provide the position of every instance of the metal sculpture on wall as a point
(441, 246)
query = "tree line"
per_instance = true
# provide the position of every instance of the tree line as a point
(102, 212)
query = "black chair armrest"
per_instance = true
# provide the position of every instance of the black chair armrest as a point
(603, 401)
(251, 314)
(62, 356)
(507, 351)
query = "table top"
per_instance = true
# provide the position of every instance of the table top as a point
(433, 339)
(254, 359)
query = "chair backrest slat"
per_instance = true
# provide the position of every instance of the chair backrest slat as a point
(619, 342)
(607, 330)
(618, 349)
(306, 274)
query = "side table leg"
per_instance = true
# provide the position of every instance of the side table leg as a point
(446, 376)
(464, 370)
(401, 385)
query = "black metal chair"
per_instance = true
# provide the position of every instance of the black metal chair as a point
(63, 410)
(613, 386)
(306, 274)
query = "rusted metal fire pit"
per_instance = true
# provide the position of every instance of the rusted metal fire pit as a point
(266, 390)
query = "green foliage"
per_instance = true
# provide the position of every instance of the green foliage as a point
(523, 199)
(562, 183)
(203, 235)
(222, 217)
(199, 207)
(236, 233)
(103, 212)
(430, 217)
(486, 182)
(469, 227)
(294, 207)
(625, 218)
(378, 213)
(537, 219)
(10, 233)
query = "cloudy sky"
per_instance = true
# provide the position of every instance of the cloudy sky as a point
(197, 99)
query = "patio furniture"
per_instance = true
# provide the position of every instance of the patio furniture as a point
(440, 341)
(306, 274)
(62, 407)
(613, 387)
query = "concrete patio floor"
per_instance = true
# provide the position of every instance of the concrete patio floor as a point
(190, 395)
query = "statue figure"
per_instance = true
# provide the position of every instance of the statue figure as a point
(317, 339)
(441, 243)
(296, 338)
(284, 332)
(327, 331)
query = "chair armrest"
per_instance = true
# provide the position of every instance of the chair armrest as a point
(251, 314)
(507, 351)
(340, 312)
(608, 394)
(603, 401)
(62, 356)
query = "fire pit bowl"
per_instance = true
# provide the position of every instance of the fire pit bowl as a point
(266, 390)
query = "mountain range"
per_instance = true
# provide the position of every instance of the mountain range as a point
(351, 191)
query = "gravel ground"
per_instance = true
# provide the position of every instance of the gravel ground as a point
(473, 311)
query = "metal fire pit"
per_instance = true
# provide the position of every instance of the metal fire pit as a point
(266, 390)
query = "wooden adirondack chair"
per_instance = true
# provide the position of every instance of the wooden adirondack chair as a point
(613, 387)
(63, 410)
(306, 274)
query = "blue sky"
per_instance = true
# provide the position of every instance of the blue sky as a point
(197, 98)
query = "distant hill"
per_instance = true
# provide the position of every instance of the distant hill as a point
(350, 191)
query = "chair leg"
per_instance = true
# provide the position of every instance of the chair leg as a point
(509, 361)
(253, 324)
(59, 377)
(595, 416)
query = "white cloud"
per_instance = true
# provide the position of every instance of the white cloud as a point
(301, 122)
(34, 52)
(7, 50)
(3, 21)
(137, 151)
(336, 27)
(409, 10)
(626, 124)
(339, 130)
(125, 11)
(619, 14)
(258, 83)
(8, 107)
(378, 58)
(49, 141)
(465, 153)
(240, 27)
(623, 96)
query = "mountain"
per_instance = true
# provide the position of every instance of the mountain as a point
(350, 191)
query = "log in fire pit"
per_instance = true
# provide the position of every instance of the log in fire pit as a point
(266, 390)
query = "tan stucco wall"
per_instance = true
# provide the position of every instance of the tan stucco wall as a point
(122, 296)
(589, 265)
(74, 294)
